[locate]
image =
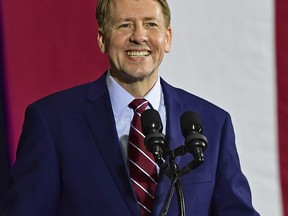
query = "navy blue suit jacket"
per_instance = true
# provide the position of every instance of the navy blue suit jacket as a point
(69, 160)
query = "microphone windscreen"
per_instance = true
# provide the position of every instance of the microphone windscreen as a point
(190, 123)
(151, 121)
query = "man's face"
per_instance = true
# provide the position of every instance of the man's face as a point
(135, 39)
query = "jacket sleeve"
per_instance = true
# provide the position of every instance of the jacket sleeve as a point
(232, 195)
(35, 182)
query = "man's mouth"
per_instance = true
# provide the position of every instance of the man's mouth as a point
(138, 53)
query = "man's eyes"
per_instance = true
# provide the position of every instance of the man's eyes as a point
(151, 24)
(125, 25)
(146, 25)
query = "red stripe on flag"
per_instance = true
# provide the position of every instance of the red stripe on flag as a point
(282, 84)
(49, 46)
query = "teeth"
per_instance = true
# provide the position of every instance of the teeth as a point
(138, 53)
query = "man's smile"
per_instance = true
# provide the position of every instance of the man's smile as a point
(138, 53)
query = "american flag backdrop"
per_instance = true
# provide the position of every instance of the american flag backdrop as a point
(233, 53)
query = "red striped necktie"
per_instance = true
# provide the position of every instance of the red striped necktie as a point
(143, 171)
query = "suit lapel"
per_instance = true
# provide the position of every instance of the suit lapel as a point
(99, 116)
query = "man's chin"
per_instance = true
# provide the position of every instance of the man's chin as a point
(133, 76)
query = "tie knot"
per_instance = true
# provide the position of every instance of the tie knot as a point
(138, 105)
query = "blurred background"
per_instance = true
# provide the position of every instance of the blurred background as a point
(232, 53)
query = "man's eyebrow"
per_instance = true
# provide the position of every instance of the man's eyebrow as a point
(150, 18)
(132, 19)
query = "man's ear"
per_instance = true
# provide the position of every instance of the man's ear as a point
(101, 40)
(168, 41)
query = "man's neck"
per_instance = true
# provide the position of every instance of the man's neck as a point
(138, 88)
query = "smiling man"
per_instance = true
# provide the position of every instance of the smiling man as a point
(82, 152)
(135, 37)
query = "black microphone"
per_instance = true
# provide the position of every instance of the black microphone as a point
(154, 138)
(195, 141)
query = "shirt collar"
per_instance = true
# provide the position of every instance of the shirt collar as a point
(120, 98)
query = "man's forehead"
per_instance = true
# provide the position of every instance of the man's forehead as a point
(124, 8)
(118, 3)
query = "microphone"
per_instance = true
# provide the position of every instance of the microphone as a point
(195, 141)
(154, 138)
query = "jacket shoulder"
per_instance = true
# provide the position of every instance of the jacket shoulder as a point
(74, 96)
(191, 101)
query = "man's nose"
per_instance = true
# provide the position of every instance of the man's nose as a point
(139, 34)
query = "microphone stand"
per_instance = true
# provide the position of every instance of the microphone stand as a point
(176, 183)
(179, 188)
(175, 174)
(168, 199)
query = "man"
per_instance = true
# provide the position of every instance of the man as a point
(73, 153)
